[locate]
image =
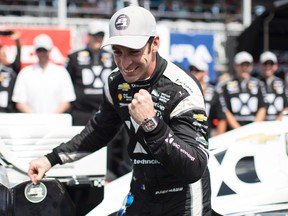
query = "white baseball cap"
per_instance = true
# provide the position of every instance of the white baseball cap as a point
(131, 27)
(242, 57)
(96, 28)
(199, 64)
(43, 41)
(268, 56)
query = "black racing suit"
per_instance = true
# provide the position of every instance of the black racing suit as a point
(88, 71)
(213, 105)
(165, 161)
(243, 98)
(276, 97)
(7, 83)
(8, 74)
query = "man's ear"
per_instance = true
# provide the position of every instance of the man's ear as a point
(156, 44)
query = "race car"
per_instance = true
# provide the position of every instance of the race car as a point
(248, 168)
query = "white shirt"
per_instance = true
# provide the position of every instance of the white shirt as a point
(43, 90)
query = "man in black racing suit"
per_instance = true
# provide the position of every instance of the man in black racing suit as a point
(163, 109)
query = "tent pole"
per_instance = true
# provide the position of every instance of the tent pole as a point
(246, 13)
(266, 31)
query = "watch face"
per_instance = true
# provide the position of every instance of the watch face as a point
(149, 124)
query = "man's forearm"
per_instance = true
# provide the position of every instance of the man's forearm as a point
(24, 108)
(63, 107)
(233, 123)
(260, 116)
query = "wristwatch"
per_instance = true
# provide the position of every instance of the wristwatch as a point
(149, 124)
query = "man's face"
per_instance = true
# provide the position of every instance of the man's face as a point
(43, 55)
(136, 64)
(243, 70)
(95, 42)
(199, 74)
(268, 68)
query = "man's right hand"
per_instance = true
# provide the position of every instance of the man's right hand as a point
(38, 168)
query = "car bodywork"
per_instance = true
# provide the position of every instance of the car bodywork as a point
(248, 168)
(72, 189)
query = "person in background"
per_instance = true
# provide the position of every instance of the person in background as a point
(8, 73)
(16, 64)
(43, 87)
(216, 117)
(88, 68)
(275, 87)
(243, 96)
(163, 109)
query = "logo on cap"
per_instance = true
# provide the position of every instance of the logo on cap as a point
(122, 22)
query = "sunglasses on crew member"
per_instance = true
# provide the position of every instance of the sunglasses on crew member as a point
(126, 203)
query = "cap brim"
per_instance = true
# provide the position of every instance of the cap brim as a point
(95, 34)
(42, 47)
(238, 62)
(267, 59)
(242, 62)
(133, 42)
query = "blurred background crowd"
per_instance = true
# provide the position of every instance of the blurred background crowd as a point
(209, 10)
